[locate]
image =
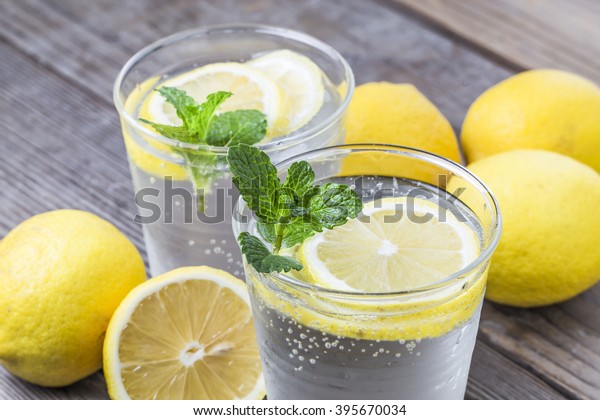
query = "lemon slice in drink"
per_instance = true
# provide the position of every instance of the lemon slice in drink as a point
(392, 251)
(251, 88)
(302, 83)
(186, 334)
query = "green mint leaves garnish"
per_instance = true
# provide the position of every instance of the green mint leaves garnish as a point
(201, 125)
(261, 258)
(287, 212)
(245, 126)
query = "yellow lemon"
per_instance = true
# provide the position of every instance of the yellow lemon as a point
(538, 109)
(550, 245)
(62, 275)
(186, 334)
(397, 114)
(383, 112)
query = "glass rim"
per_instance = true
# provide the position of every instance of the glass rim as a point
(437, 160)
(275, 144)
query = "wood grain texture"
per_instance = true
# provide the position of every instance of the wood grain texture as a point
(510, 380)
(562, 34)
(61, 142)
(550, 344)
(63, 146)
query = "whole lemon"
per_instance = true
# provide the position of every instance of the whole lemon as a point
(538, 109)
(550, 245)
(398, 114)
(62, 275)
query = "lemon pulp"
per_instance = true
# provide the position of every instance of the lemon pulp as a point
(394, 252)
(187, 334)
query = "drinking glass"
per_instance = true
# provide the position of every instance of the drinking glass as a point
(183, 226)
(325, 343)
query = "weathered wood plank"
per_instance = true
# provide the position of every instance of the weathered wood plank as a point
(57, 43)
(61, 148)
(13, 388)
(392, 47)
(532, 34)
(73, 158)
(494, 376)
(549, 343)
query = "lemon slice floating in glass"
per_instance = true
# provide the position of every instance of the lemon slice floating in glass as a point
(286, 86)
(251, 89)
(301, 81)
(391, 252)
(186, 334)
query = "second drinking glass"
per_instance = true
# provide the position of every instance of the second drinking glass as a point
(183, 192)
(387, 305)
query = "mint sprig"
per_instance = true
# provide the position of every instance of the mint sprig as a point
(262, 259)
(287, 212)
(201, 125)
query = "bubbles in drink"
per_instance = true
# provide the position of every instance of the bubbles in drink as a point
(308, 361)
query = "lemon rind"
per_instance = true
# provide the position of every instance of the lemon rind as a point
(127, 307)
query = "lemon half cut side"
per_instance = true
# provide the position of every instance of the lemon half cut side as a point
(187, 334)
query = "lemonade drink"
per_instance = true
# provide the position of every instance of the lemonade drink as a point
(302, 86)
(386, 306)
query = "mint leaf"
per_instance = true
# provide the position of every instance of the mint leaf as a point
(173, 132)
(201, 126)
(267, 231)
(287, 213)
(259, 257)
(247, 126)
(332, 205)
(256, 178)
(300, 178)
(294, 233)
(186, 107)
(278, 263)
(196, 118)
(297, 232)
(329, 205)
(202, 121)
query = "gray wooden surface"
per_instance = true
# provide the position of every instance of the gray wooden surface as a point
(61, 145)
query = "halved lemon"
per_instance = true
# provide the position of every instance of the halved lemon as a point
(302, 83)
(186, 334)
(405, 244)
(251, 88)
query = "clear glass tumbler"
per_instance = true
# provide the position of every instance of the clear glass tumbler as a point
(326, 343)
(177, 231)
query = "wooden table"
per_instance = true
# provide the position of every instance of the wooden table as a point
(62, 147)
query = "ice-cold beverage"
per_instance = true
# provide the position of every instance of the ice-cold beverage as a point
(363, 326)
(185, 204)
(307, 363)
